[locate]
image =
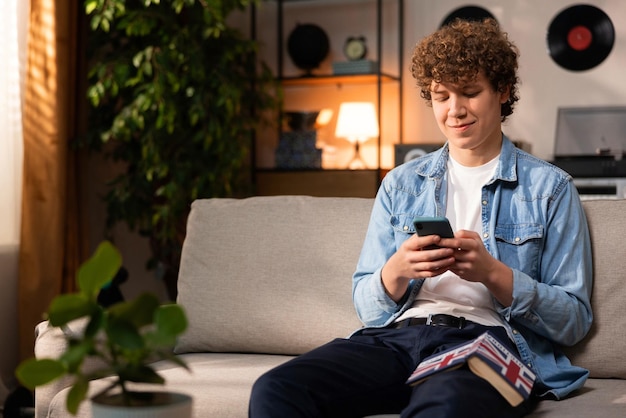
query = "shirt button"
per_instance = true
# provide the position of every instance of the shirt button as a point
(484, 203)
(515, 331)
(406, 228)
(517, 239)
(486, 235)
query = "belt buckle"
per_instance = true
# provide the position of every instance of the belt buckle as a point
(460, 321)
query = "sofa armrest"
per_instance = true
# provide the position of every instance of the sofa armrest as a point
(50, 342)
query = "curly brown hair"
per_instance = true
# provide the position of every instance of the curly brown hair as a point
(461, 50)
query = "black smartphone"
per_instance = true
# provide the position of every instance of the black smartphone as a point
(433, 225)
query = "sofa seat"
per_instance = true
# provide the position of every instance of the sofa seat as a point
(220, 386)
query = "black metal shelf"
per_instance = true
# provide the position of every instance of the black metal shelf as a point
(377, 78)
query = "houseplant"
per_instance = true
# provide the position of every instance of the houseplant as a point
(123, 339)
(176, 93)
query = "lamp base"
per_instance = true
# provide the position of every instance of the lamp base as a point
(357, 162)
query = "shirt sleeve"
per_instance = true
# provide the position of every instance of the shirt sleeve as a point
(373, 306)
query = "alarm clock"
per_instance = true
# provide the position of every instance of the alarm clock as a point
(355, 48)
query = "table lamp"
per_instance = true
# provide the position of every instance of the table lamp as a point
(357, 123)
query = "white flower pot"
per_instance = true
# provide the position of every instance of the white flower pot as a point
(145, 405)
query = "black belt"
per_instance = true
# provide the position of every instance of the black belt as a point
(436, 320)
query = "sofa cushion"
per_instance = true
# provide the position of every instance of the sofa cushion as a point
(602, 351)
(256, 272)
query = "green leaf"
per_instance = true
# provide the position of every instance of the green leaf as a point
(168, 355)
(75, 354)
(125, 335)
(138, 312)
(170, 320)
(99, 270)
(141, 374)
(90, 6)
(67, 307)
(36, 372)
(95, 324)
(77, 394)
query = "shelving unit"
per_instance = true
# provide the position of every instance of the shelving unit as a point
(376, 79)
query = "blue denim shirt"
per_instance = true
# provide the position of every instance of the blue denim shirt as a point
(532, 221)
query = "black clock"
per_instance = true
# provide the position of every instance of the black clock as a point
(355, 48)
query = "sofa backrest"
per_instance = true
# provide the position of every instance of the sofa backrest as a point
(602, 350)
(270, 274)
(273, 275)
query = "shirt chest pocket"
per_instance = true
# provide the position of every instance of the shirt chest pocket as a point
(519, 246)
(403, 228)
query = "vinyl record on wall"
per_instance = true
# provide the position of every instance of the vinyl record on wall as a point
(471, 13)
(580, 37)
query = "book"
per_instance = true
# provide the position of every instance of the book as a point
(488, 358)
(355, 67)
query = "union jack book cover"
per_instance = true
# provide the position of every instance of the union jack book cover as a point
(488, 358)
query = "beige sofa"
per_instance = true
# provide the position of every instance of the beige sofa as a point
(267, 278)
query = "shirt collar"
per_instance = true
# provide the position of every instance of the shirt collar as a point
(435, 167)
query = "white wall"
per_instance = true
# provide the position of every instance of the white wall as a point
(545, 85)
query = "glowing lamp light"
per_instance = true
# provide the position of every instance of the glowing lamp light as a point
(357, 123)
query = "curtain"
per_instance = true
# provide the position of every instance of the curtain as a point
(13, 30)
(50, 231)
(11, 85)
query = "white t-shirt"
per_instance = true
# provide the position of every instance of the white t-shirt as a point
(448, 293)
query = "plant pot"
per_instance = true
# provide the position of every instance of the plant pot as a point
(142, 405)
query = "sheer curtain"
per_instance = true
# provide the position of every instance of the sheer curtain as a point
(13, 33)
(13, 30)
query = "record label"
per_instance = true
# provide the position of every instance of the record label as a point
(580, 37)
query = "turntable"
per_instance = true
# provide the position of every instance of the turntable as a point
(590, 145)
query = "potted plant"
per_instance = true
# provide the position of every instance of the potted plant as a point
(120, 341)
(176, 93)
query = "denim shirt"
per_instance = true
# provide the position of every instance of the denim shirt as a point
(532, 221)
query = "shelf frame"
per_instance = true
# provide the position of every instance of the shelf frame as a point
(377, 78)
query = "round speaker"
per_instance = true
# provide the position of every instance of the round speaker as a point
(307, 46)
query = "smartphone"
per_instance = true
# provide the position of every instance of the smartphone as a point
(433, 225)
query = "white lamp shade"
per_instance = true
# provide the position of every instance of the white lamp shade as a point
(357, 121)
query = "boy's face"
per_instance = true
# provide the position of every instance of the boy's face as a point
(468, 114)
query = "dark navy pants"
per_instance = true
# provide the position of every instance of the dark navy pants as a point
(366, 374)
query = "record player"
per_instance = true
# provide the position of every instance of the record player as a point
(590, 145)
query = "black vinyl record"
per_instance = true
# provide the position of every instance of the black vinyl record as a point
(471, 13)
(580, 37)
